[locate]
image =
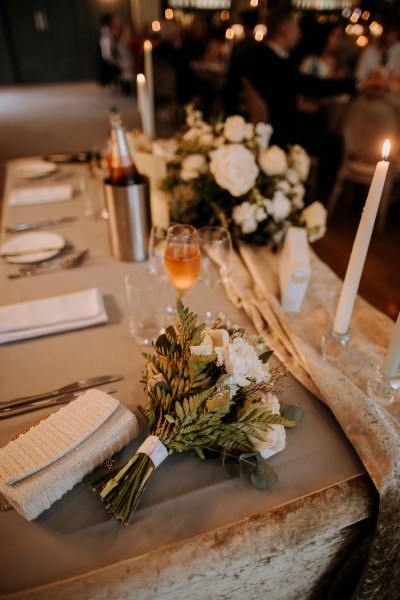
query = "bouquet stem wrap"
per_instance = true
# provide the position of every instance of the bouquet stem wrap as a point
(207, 391)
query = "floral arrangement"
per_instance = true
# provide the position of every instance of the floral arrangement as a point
(208, 391)
(227, 174)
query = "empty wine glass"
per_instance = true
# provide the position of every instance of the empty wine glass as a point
(216, 262)
(182, 257)
(157, 247)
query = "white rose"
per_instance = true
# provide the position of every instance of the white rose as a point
(292, 176)
(234, 168)
(298, 192)
(314, 217)
(187, 175)
(260, 214)
(274, 438)
(281, 206)
(244, 215)
(300, 161)
(284, 186)
(191, 134)
(212, 338)
(242, 363)
(194, 162)
(273, 161)
(263, 132)
(235, 129)
(248, 131)
(206, 139)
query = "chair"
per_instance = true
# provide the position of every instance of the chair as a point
(369, 119)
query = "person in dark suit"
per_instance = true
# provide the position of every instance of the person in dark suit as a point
(273, 71)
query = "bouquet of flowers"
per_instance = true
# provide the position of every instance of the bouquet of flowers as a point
(208, 391)
(227, 174)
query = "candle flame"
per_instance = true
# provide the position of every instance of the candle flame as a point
(148, 45)
(385, 150)
(141, 78)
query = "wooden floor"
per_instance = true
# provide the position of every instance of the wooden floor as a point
(73, 117)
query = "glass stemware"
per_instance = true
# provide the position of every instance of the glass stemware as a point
(182, 257)
(216, 262)
(157, 247)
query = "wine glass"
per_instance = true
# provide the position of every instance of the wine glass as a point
(216, 258)
(157, 247)
(182, 257)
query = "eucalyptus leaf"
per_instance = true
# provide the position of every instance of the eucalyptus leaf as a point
(265, 471)
(292, 412)
(260, 484)
(265, 356)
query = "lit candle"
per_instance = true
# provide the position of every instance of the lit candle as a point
(360, 246)
(392, 358)
(143, 104)
(148, 73)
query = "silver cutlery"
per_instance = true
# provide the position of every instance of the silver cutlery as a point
(14, 228)
(70, 262)
(64, 399)
(77, 386)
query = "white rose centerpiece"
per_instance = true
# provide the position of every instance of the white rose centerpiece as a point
(227, 174)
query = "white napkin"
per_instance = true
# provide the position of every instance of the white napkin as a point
(42, 464)
(40, 194)
(51, 315)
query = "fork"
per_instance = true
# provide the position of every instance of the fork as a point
(70, 262)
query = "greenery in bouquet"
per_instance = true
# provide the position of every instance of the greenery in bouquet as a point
(227, 174)
(208, 391)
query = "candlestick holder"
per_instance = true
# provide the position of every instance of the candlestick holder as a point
(382, 388)
(335, 346)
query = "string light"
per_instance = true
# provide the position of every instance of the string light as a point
(169, 13)
(362, 41)
(156, 26)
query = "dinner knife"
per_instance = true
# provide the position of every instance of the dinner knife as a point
(63, 399)
(14, 228)
(77, 386)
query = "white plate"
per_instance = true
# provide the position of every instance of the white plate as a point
(33, 247)
(34, 169)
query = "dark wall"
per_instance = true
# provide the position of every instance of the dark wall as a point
(44, 41)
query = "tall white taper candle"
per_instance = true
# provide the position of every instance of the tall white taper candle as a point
(360, 247)
(148, 73)
(143, 104)
(392, 358)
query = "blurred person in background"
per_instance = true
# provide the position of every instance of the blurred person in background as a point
(381, 59)
(107, 64)
(189, 87)
(124, 54)
(274, 73)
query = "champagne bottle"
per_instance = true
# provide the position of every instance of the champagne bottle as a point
(122, 168)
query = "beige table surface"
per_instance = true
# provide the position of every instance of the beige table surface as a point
(187, 500)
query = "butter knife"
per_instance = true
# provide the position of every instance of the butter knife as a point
(14, 228)
(63, 399)
(77, 386)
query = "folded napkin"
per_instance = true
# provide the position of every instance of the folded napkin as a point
(51, 315)
(40, 194)
(43, 463)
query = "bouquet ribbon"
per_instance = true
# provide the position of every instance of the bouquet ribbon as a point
(155, 450)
